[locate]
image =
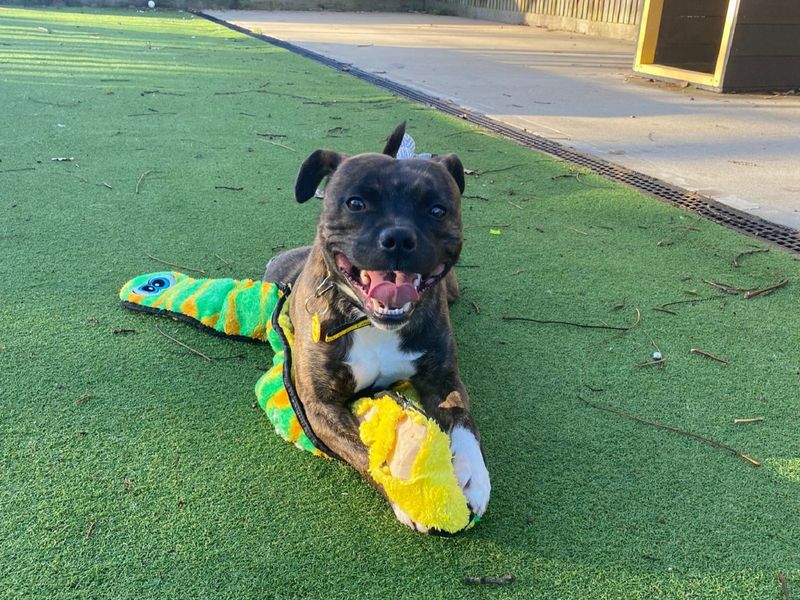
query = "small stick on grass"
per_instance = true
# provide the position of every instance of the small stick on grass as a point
(748, 421)
(280, 145)
(500, 170)
(728, 289)
(749, 295)
(692, 301)
(180, 343)
(18, 170)
(141, 178)
(476, 307)
(748, 253)
(689, 434)
(108, 185)
(652, 363)
(223, 260)
(89, 530)
(577, 231)
(228, 187)
(164, 262)
(784, 586)
(709, 355)
(583, 325)
(502, 580)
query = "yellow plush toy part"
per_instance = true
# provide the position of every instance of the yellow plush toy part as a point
(409, 457)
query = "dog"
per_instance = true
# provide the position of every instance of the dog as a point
(388, 236)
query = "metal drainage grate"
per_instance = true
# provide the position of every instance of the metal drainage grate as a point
(780, 235)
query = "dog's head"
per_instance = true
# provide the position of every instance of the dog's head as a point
(390, 229)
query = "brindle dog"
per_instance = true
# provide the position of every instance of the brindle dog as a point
(388, 236)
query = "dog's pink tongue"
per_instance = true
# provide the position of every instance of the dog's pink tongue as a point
(392, 294)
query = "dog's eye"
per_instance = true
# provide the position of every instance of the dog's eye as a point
(355, 204)
(437, 211)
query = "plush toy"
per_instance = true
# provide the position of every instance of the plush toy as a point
(409, 455)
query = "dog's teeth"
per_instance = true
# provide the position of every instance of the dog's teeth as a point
(417, 280)
(364, 278)
(406, 307)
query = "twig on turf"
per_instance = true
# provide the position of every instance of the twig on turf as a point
(748, 253)
(692, 301)
(748, 421)
(475, 197)
(280, 145)
(152, 113)
(18, 170)
(784, 586)
(749, 295)
(164, 262)
(652, 363)
(515, 205)
(89, 530)
(228, 187)
(585, 326)
(108, 185)
(709, 355)
(728, 289)
(180, 343)
(502, 580)
(223, 260)
(58, 104)
(479, 173)
(141, 178)
(476, 307)
(689, 434)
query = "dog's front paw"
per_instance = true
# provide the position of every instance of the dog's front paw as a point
(406, 520)
(470, 469)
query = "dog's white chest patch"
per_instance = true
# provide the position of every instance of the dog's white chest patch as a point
(376, 360)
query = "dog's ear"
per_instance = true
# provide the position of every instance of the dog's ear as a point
(394, 140)
(313, 170)
(452, 163)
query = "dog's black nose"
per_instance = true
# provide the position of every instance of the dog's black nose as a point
(398, 239)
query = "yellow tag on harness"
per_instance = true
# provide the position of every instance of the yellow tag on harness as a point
(316, 328)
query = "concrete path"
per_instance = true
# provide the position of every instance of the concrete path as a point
(743, 150)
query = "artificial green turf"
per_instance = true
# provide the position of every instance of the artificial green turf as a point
(130, 468)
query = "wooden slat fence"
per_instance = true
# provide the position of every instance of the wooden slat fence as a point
(624, 12)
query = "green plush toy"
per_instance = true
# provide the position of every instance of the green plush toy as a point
(409, 455)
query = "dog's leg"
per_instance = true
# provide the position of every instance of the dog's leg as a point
(286, 266)
(445, 399)
(337, 427)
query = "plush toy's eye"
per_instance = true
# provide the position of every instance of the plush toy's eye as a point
(355, 204)
(437, 211)
(155, 285)
(159, 282)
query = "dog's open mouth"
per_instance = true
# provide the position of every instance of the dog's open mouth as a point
(388, 295)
